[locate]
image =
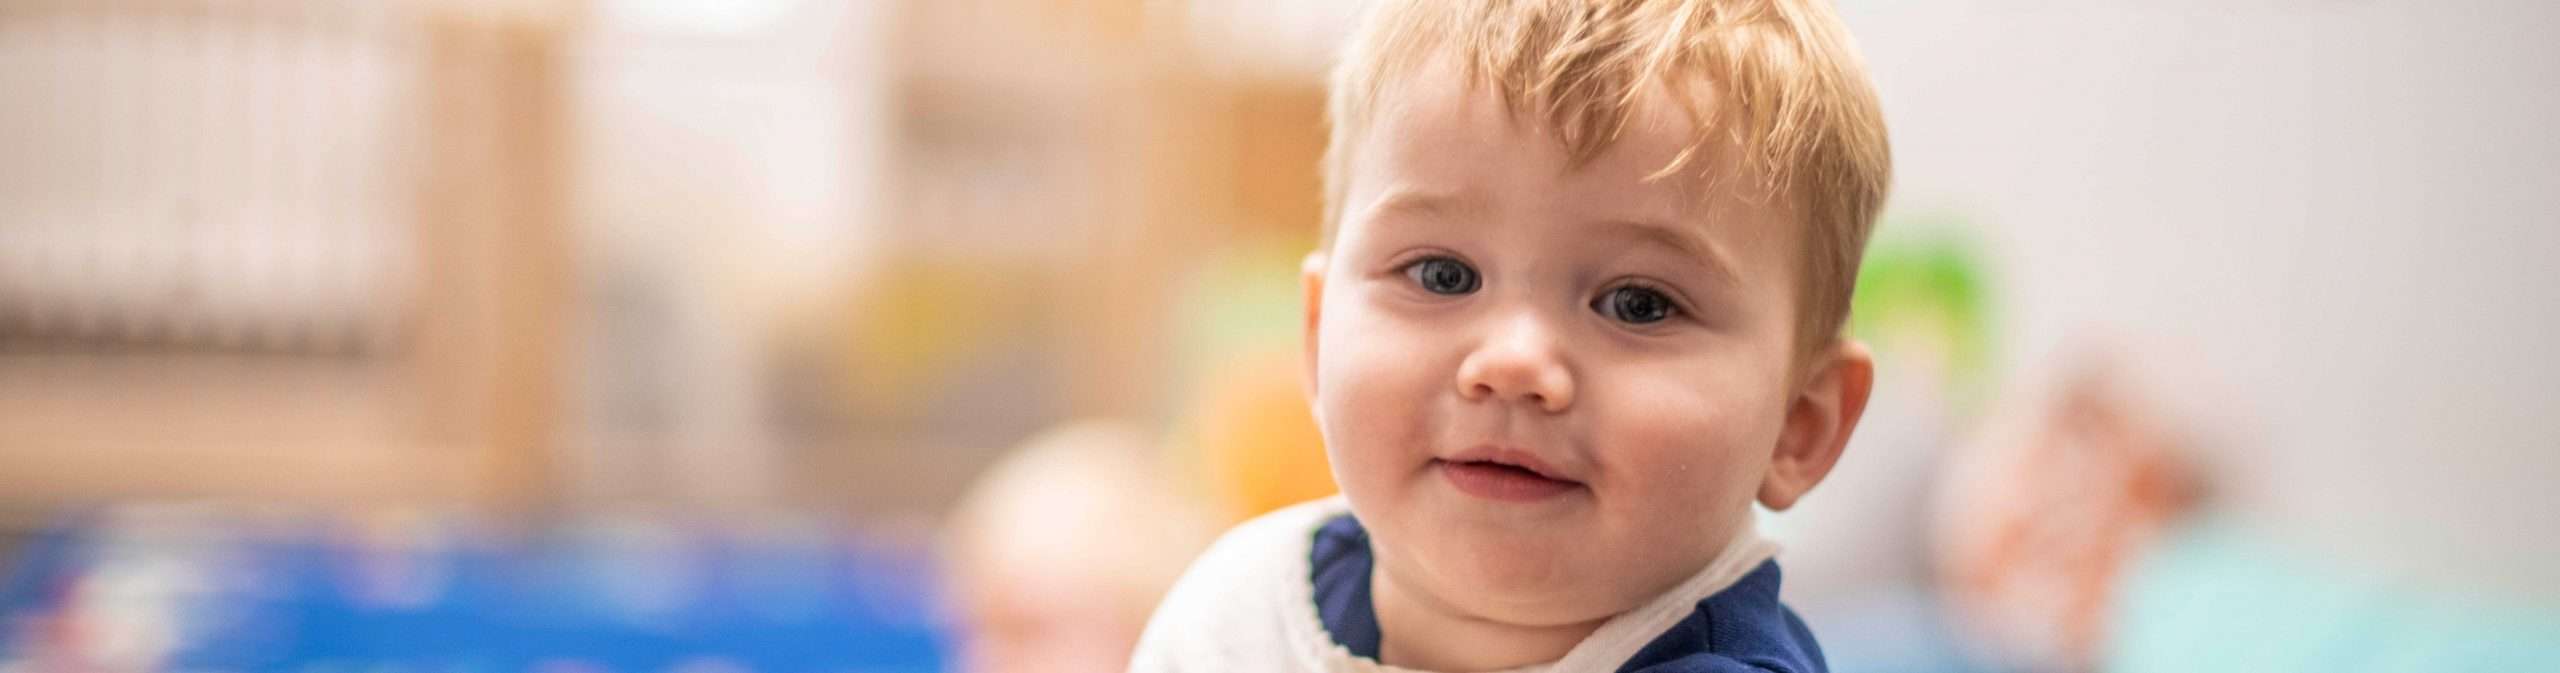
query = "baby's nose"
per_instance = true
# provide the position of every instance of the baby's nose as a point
(1519, 361)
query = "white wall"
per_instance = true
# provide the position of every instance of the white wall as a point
(2329, 225)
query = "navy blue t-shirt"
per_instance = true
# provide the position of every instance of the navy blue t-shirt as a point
(1742, 628)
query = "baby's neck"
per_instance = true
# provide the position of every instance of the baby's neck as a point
(1422, 634)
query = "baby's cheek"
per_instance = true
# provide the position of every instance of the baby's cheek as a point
(1686, 448)
(1368, 404)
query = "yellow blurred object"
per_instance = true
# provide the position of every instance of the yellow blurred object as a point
(1257, 440)
(920, 319)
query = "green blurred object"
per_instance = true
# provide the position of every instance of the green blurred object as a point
(1242, 296)
(1923, 295)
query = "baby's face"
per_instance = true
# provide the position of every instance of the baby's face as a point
(1549, 391)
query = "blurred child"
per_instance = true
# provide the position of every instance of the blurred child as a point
(2039, 519)
(1578, 305)
(1037, 590)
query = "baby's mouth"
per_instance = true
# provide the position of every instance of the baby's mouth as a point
(1522, 470)
(1497, 480)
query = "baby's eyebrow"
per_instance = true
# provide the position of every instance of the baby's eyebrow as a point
(1684, 240)
(1421, 202)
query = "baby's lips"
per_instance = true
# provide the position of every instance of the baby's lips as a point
(1520, 458)
(1504, 482)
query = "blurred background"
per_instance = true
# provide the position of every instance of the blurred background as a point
(803, 335)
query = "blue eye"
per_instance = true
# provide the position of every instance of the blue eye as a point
(1635, 305)
(1442, 275)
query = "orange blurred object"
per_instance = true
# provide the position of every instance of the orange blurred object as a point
(1258, 442)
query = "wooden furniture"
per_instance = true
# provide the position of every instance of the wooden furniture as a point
(284, 251)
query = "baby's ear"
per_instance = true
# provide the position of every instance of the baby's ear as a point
(1311, 296)
(1825, 409)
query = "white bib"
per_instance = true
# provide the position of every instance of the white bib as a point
(1248, 604)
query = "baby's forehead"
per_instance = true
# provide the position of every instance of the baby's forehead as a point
(1444, 146)
(1440, 124)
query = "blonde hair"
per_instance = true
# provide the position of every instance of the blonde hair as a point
(1789, 91)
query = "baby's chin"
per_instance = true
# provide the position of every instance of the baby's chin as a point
(1513, 579)
(1567, 570)
(1529, 594)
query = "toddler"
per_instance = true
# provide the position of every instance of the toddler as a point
(1578, 305)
